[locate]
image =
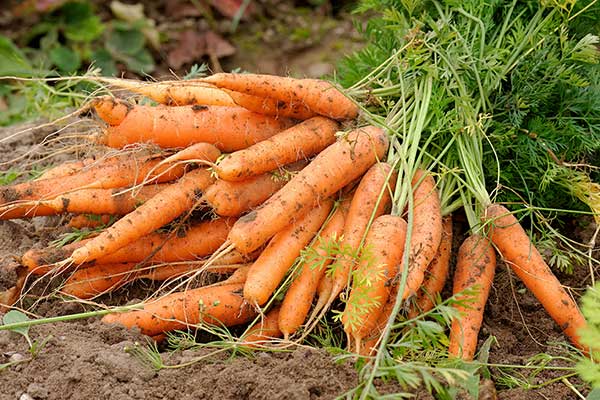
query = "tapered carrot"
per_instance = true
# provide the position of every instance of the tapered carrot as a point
(436, 274)
(40, 261)
(475, 267)
(163, 272)
(26, 209)
(368, 345)
(232, 199)
(175, 93)
(239, 276)
(81, 221)
(196, 152)
(323, 294)
(426, 231)
(269, 106)
(299, 297)
(319, 96)
(156, 212)
(331, 170)
(296, 143)
(68, 168)
(278, 257)
(111, 110)
(215, 305)
(372, 280)
(264, 330)
(91, 282)
(228, 128)
(524, 259)
(371, 199)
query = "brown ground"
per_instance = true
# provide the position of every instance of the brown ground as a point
(86, 359)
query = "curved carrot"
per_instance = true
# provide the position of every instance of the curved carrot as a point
(296, 143)
(475, 267)
(299, 297)
(91, 282)
(278, 257)
(264, 330)
(426, 231)
(156, 212)
(228, 128)
(331, 170)
(436, 273)
(372, 280)
(524, 259)
(318, 96)
(371, 199)
(269, 106)
(220, 305)
(111, 110)
(232, 199)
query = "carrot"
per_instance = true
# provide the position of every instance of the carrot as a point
(228, 128)
(163, 272)
(156, 212)
(296, 143)
(99, 279)
(222, 305)
(194, 153)
(175, 93)
(331, 170)
(66, 169)
(278, 257)
(323, 295)
(368, 345)
(475, 267)
(239, 276)
(318, 96)
(40, 261)
(111, 110)
(92, 221)
(27, 209)
(372, 280)
(232, 199)
(426, 231)
(299, 297)
(103, 201)
(271, 107)
(371, 199)
(436, 274)
(515, 247)
(264, 330)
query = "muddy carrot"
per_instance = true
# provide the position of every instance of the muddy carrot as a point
(264, 330)
(111, 110)
(269, 106)
(90, 282)
(81, 221)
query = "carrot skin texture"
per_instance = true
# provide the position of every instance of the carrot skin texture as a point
(515, 247)
(298, 299)
(110, 110)
(228, 128)
(221, 305)
(298, 142)
(156, 212)
(331, 170)
(317, 95)
(372, 280)
(436, 274)
(426, 231)
(232, 199)
(90, 282)
(475, 266)
(278, 257)
(81, 221)
(363, 207)
(264, 330)
(269, 106)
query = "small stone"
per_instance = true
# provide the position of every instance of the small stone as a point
(38, 391)
(26, 396)
(16, 357)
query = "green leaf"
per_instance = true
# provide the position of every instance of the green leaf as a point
(80, 23)
(13, 317)
(141, 62)
(594, 394)
(65, 59)
(126, 41)
(103, 60)
(12, 60)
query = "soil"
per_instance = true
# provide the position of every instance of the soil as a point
(86, 359)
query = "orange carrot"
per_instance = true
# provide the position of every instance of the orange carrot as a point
(175, 93)
(264, 330)
(81, 221)
(323, 295)
(99, 279)
(40, 261)
(232, 199)
(318, 96)
(475, 267)
(66, 169)
(156, 212)
(239, 276)
(426, 231)
(228, 128)
(372, 280)
(269, 106)
(296, 143)
(111, 110)
(221, 305)
(371, 199)
(436, 273)
(515, 247)
(368, 345)
(163, 272)
(194, 153)
(278, 257)
(329, 171)
(299, 297)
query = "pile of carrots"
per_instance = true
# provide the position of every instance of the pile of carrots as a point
(296, 199)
